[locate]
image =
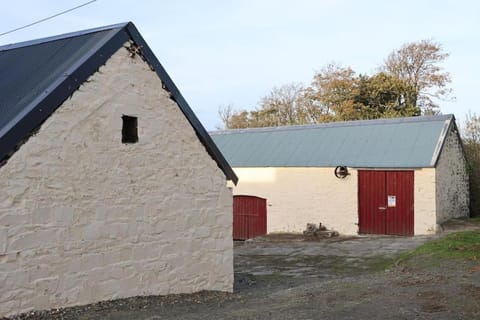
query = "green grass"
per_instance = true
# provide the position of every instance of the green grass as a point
(459, 245)
(475, 220)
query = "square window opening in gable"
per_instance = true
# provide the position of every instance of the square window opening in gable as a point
(129, 129)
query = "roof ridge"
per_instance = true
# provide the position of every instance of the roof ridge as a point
(61, 36)
(339, 124)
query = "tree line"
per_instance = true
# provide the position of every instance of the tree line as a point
(409, 82)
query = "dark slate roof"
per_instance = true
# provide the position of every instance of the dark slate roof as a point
(37, 76)
(414, 142)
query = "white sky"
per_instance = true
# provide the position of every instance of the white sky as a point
(234, 51)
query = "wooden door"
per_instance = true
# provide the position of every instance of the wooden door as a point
(385, 202)
(249, 217)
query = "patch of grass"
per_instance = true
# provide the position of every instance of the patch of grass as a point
(459, 245)
(474, 220)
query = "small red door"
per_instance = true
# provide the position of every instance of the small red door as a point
(249, 217)
(385, 202)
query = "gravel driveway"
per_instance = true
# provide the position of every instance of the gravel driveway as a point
(285, 277)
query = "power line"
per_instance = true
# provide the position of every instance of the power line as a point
(48, 18)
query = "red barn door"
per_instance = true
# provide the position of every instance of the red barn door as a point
(249, 217)
(385, 202)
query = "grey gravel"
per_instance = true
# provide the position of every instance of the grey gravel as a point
(289, 278)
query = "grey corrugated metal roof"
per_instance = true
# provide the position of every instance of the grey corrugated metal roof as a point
(386, 143)
(37, 76)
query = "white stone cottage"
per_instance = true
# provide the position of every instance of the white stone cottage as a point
(391, 176)
(109, 185)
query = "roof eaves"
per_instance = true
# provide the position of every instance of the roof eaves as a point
(202, 134)
(451, 127)
(441, 141)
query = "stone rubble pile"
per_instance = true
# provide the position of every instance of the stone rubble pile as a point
(319, 231)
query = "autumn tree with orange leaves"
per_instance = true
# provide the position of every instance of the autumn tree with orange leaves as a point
(410, 82)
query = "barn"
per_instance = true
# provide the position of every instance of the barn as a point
(401, 176)
(110, 186)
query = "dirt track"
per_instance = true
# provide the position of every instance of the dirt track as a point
(343, 278)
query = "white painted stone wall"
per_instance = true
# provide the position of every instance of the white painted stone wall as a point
(452, 196)
(85, 218)
(297, 196)
(424, 221)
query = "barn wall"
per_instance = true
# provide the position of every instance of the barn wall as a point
(424, 201)
(297, 196)
(85, 218)
(452, 196)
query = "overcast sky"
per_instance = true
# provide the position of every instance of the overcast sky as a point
(234, 52)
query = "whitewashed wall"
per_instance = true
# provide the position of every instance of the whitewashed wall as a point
(424, 201)
(297, 196)
(85, 218)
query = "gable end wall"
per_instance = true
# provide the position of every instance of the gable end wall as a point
(452, 190)
(85, 218)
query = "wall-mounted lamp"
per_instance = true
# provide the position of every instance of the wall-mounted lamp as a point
(341, 172)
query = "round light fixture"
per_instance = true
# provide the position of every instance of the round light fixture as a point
(341, 172)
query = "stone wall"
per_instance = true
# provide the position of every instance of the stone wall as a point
(297, 196)
(452, 196)
(84, 217)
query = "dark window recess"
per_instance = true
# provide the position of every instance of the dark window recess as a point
(129, 129)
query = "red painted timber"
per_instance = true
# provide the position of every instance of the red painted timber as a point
(400, 217)
(375, 214)
(249, 217)
(371, 195)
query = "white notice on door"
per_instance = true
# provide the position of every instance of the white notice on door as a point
(392, 201)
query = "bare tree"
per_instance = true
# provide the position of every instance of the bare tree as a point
(418, 63)
(471, 128)
(280, 106)
(225, 113)
(277, 108)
